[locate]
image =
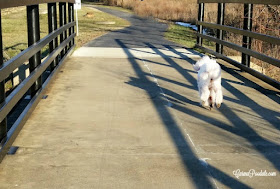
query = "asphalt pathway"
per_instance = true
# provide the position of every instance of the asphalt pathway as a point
(142, 33)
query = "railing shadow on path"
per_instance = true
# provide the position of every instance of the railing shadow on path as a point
(241, 128)
(201, 176)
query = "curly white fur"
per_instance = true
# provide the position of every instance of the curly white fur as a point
(209, 82)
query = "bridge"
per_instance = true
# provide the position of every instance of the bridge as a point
(123, 112)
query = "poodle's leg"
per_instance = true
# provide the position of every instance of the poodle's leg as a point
(203, 85)
(204, 97)
(219, 98)
(212, 98)
(218, 90)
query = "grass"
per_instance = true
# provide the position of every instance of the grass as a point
(179, 10)
(89, 2)
(117, 8)
(185, 36)
(14, 30)
(181, 35)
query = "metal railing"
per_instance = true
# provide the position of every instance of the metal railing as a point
(34, 85)
(246, 32)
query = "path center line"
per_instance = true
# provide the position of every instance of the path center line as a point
(203, 161)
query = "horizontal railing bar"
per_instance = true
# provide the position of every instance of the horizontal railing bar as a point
(255, 54)
(262, 37)
(17, 3)
(251, 71)
(23, 87)
(9, 66)
(23, 117)
(266, 2)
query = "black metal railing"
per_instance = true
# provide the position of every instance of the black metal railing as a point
(33, 85)
(246, 32)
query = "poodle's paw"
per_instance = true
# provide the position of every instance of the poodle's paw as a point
(205, 105)
(218, 105)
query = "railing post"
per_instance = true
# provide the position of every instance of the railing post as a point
(247, 25)
(3, 123)
(71, 19)
(200, 18)
(62, 22)
(52, 19)
(220, 20)
(33, 26)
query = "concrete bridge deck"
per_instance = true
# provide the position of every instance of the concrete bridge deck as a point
(115, 122)
(129, 117)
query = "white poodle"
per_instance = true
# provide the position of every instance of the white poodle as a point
(209, 82)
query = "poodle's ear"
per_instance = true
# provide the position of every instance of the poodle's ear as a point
(196, 67)
(200, 62)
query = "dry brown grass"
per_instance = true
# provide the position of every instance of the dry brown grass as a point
(174, 10)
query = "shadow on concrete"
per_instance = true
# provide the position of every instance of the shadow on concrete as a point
(201, 176)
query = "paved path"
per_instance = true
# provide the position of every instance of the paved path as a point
(141, 33)
(130, 118)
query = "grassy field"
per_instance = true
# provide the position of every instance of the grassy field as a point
(179, 10)
(101, 4)
(14, 31)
